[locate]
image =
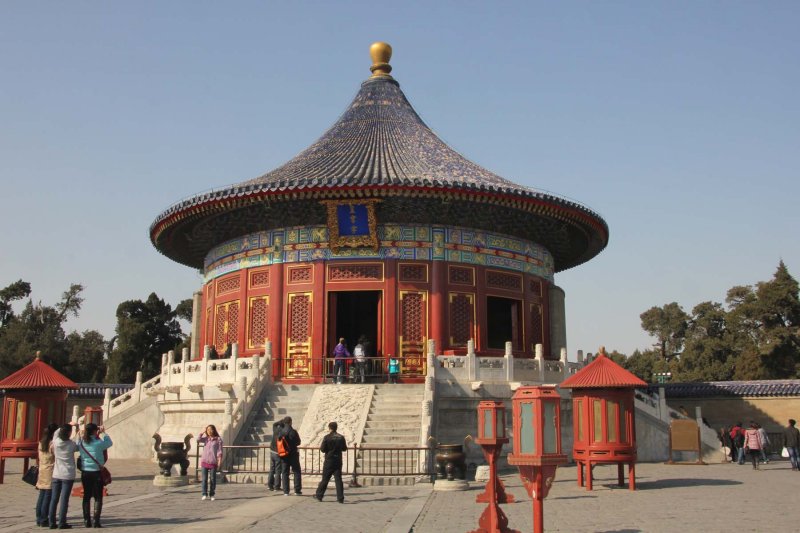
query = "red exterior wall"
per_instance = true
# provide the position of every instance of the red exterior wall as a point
(420, 300)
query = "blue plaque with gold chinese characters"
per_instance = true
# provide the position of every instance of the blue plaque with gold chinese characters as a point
(352, 224)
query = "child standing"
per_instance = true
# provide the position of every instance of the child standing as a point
(394, 369)
(211, 460)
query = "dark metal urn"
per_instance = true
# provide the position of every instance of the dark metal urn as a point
(172, 453)
(450, 462)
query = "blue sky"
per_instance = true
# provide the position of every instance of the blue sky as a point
(678, 121)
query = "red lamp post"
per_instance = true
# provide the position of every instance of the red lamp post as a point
(93, 415)
(537, 443)
(491, 437)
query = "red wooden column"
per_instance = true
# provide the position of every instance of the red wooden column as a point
(390, 341)
(438, 270)
(319, 325)
(277, 311)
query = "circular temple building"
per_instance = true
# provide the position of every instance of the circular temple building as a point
(379, 230)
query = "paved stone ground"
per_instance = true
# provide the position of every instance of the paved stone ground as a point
(714, 498)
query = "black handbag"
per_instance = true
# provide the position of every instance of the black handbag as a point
(31, 477)
(79, 463)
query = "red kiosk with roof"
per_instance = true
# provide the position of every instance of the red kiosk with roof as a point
(604, 421)
(35, 396)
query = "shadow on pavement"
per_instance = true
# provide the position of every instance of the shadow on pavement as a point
(677, 483)
(147, 521)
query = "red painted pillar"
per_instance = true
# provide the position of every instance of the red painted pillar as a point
(318, 322)
(277, 310)
(390, 340)
(438, 270)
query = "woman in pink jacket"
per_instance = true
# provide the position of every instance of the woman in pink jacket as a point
(211, 460)
(753, 443)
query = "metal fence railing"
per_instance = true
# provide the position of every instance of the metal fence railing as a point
(356, 461)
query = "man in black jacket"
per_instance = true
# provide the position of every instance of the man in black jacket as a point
(332, 446)
(292, 460)
(275, 470)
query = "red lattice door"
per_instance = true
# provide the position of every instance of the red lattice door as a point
(462, 318)
(413, 332)
(257, 322)
(298, 336)
(226, 325)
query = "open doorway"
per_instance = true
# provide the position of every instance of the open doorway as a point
(502, 322)
(352, 314)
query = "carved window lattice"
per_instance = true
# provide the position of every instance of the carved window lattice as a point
(220, 331)
(536, 328)
(536, 287)
(300, 275)
(258, 322)
(501, 280)
(413, 315)
(300, 316)
(228, 284)
(209, 326)
(418, 273)
(355, 272)
(462, 275)
(259, 279)
(461, 319)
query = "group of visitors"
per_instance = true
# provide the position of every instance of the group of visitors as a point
(754, 442)
(357, 362)
(58, 470)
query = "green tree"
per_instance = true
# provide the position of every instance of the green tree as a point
(86, 356)
(38, 328)
(708, 354)
(668, 325)
(646, 363)
(145, 330)
(16, 291)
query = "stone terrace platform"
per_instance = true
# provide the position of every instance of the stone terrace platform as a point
(714, 498)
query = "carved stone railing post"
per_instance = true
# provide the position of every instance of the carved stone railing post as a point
(580, 357)
(163, 361)
(540, 361)
(228, 421)
(137, 387)
(76, 411)
(509, 362)
(106, 405)
(563, 365)
(234, 362)
(472, 363)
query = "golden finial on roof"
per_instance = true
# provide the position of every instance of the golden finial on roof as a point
(380, 53)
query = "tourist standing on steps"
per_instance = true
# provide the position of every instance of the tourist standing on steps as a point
(64, 471)
(91, 448)
(275, 464)
(210, 461)
(46, 462)
(360, 360)
(333, 445)
(340, 357)
(394, 369)
(753, 444)
(791, 439)
(292, 460)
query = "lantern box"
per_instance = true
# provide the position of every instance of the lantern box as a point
(491, 423)
(537, 427)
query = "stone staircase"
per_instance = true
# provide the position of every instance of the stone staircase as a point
(278, 400)
(393, 421)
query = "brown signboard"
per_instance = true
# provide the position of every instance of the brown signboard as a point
(684, 436)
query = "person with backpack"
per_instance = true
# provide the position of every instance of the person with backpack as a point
(332, 446)
(287, 445)
(275, 471)
(737, 440)
(753, 443)
(360, 360)
(210, 461)
(91, 448)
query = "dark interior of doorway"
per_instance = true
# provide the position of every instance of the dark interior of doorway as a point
(357, 315)
(502, 319)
